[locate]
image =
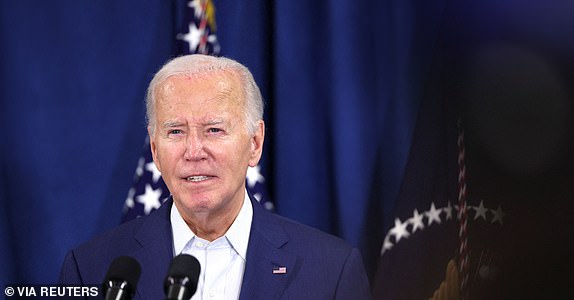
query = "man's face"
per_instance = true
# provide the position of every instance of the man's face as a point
(201, 144)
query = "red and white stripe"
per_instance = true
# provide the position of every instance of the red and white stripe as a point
(203, 28)
(463, 262)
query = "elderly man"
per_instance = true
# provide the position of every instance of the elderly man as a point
(205, 123)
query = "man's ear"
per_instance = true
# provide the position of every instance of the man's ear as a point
(257, 144)
(153, 146)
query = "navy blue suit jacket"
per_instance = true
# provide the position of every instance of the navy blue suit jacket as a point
(319, 266)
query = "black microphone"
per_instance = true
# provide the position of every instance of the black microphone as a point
(121, 279)
(181, 280)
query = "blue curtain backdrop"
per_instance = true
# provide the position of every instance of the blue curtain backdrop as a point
(73, 76)
(339, 77)
(342, 80)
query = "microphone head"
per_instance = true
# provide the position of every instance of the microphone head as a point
(184, 270)
(124, 268)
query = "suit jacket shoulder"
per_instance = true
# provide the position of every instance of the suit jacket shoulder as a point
(289, 260)
(147, 239)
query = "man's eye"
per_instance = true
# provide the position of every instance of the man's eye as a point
(175, 131)
(214, 130)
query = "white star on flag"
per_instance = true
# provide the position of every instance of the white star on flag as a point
(433, 214)
(196, 5)
(192, 37)
(139, 169)
(387, 245)
(150, 199)
(254, 176)
(498, 215)
(417, 221)
(400, 230)
(156, 174)
(130, 199)
(448, 211)
(480, 211)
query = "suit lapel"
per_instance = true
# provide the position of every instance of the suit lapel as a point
(264, 254)
(155, 254)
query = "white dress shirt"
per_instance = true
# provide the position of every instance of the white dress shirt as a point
(222, 260)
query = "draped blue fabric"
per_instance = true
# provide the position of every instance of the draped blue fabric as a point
(73, 76)
(348, 74)
(342, 81)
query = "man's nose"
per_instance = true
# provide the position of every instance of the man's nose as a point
(194, 147)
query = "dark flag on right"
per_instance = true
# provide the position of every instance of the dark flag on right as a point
(486, 207)
(421, 247)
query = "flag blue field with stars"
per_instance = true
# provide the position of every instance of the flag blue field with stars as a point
(196, 34)
(421, 241)
(420, 255)
(485, 206)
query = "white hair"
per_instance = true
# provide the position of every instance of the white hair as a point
(198, 63)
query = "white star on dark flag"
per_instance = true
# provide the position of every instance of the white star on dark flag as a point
(433, 214)
(434, 217)
(254, 176)
(192, 37)
(150, 199)
(400, 230)
(480, 211)
(417, 221)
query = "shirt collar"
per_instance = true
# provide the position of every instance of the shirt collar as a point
(237, 235)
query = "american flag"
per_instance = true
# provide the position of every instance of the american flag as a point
(197, 34)
(445, 241)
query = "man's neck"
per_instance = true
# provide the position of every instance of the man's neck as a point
(211, 225)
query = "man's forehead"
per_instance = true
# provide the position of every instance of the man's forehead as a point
(225, 78)
(212, 119)
(216, 86)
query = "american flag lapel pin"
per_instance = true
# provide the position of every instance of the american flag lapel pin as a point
(279, 270)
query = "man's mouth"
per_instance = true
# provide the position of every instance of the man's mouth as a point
(197, 178)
